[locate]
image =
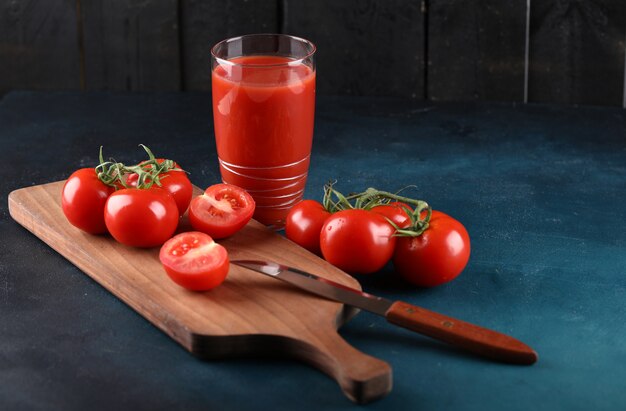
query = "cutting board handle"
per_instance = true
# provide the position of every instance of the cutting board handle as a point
(361, 377)
(248, 315)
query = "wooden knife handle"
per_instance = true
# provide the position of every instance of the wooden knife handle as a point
(478, 340)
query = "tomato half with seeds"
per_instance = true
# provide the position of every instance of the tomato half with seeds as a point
(357, 241)
(221, 211)
(194, 261)
(141, 217)
(437, 256)
(83, 199)
(304, 222)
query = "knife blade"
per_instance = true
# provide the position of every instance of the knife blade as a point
(473, 338)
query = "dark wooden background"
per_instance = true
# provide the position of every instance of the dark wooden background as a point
(563, 51)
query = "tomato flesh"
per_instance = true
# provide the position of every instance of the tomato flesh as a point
(83, 199)
(303, 224)
(141, 217)
(221, 211)
(437, 256)
(194, 261)
(357, 241)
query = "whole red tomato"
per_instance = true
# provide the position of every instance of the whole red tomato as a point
(221, 211)
(174, 182)
(83, 199)
(304, 224)
(435, 257)
(194, 261)
(396, 212)
(141, 217)
(357, 241)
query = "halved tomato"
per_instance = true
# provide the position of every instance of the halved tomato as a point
(194, 261)
(221, 211)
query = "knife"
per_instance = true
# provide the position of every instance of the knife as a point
(478, 340)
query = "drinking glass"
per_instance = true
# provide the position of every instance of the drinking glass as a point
(263, 107)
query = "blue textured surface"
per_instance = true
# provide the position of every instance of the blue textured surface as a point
(541, 190)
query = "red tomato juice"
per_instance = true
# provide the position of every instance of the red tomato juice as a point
(263, 109)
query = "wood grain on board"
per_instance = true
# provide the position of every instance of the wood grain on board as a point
(249, 314)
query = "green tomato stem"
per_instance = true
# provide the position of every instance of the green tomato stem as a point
(149, 172)
(371, 198)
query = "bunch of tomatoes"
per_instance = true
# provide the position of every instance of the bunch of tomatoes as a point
(362, 232)
(141, 205)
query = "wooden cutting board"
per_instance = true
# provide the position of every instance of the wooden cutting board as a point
(248, 315)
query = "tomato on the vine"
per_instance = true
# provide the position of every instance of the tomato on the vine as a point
(194, 261)
(141, 217)
(221, 211)
(357, 241)
(83, 199)
(174, 182)
(304, 222)
(396, 212)
(435, 257)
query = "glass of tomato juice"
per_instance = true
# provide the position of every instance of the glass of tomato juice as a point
(263, 107)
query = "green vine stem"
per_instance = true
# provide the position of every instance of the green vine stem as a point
(109, 172)
(335, 201)
(149, 172)
(342, 202)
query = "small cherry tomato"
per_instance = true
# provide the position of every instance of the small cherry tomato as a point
(435, 257)
(304, 224)
(396, 212)
(194, 261)
(141, 217)
(221, 211)
(83, 199)
(174, 182)
(357, 241)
